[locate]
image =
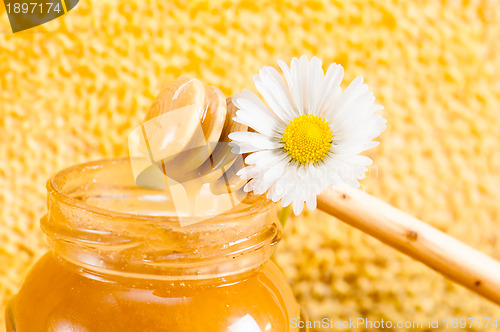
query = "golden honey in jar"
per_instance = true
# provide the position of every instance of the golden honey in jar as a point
(120, 261)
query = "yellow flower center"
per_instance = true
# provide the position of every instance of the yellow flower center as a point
(307, 138)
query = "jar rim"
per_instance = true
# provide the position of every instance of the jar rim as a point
(55, 190)
(99, 239)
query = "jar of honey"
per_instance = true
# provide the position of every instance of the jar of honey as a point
(121, 261)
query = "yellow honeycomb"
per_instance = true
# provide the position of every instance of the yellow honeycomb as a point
(73, 89)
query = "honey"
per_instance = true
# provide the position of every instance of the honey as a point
(58, 297)
(120, 262)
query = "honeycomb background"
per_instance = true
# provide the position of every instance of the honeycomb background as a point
(72, 89)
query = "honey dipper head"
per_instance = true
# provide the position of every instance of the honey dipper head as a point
(187, 128)
(183, 147)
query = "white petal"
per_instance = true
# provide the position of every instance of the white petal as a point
(261, 155)
(270, 193)
(263, 166)
(358, 143)
(286, 72)
(290, 193)
(249, 172)
(276, 171)
(286, 181)
(353, 148)
(248, 187)
(274, 90)
(354, 114)
(297, 84)
(315, 179)
(351, 181)
(298, 206)
(314, 84)
(351, 93)
(354, 159)
(254, 114)
(256, 139)
(361, 133)
(311, 201)
(259, 186)
(337, 170)
(285, 202)
(329, 173)
(242, 147)
(265, 163)
(331, 89)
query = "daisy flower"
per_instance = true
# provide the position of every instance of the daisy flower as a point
(309, 135)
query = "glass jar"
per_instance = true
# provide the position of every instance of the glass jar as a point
(120, 261)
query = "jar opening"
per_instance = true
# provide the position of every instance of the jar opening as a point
(107, 187)
(98, 217)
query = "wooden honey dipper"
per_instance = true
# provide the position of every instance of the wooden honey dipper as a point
(186, 131)
(441, 252)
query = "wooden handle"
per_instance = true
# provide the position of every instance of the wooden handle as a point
(448, 256)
